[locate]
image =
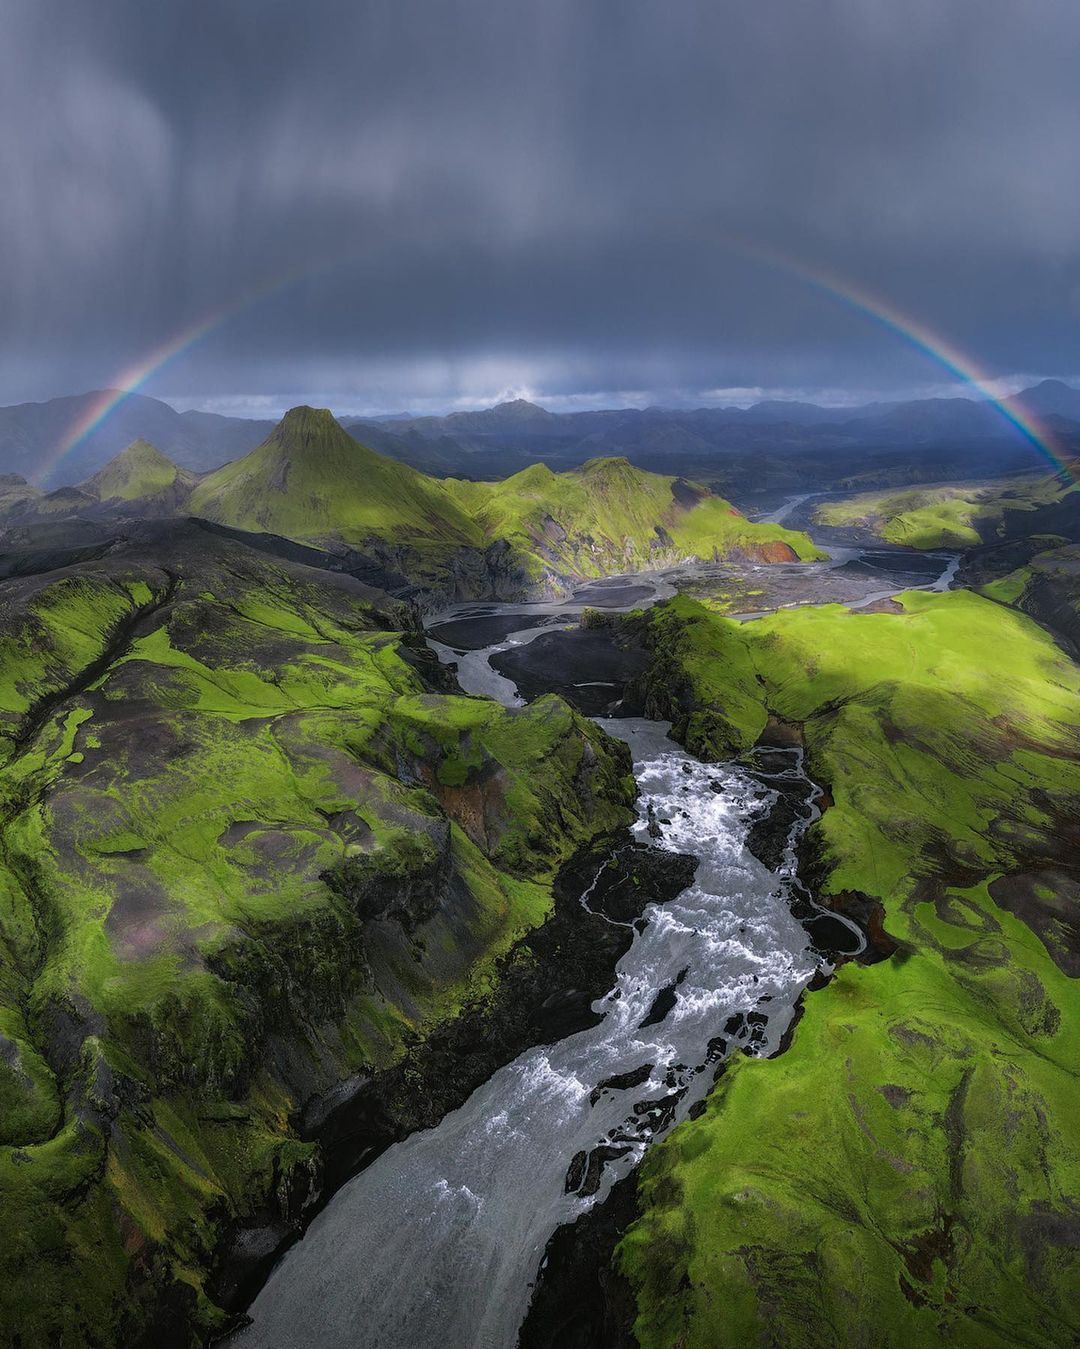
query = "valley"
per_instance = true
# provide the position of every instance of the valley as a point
(434, 871)
(539, 676)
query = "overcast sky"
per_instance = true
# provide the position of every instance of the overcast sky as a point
(433, 203)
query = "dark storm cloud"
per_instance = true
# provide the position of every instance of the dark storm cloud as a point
(492, 195)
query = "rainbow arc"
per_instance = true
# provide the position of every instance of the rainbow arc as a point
(932, 344)
(875, 307)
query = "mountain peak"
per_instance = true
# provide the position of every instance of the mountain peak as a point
(305, 415)
(518, 406)
(311, 479)
(139, 470)
(1050, 397)
(513, 410)
(314, 434)
(308, 422)
(1052, 385)
(606, 465)
(141, 451)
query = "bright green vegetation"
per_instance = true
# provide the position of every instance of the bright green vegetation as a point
(1047, 588)
(609, 515)
(245, 854)
(311, 481)
(140, 472)
(908, 1171)
(945, 515)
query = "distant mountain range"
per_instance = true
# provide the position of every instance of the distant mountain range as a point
(803, 443)
(311, 483)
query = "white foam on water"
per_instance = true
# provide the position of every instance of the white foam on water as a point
(440, 1239)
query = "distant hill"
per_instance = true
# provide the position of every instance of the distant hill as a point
(1052, 397)
(141, 473)
(31, 433)
(140, 482)
(310, 481)
(773, 446)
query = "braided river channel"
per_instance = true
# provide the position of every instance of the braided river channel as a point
(439, 1241)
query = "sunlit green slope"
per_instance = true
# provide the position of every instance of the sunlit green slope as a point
(310, 480)
(247, 853)
(610, 516)
(907, 1173)
(955, 515)
(138, 472)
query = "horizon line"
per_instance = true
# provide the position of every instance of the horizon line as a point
(505, 398)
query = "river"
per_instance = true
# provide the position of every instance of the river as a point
(439, 1240)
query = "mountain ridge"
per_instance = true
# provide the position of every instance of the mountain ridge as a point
(310, 481)
(492, 441)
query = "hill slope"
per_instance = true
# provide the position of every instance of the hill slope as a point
(908, 1168)
(610, 516)
(305, 858)
(141, 474)
(960, 514)
(310, 480)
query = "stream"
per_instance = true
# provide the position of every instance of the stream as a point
(439, 1240)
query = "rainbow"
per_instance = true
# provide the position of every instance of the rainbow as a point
(937, 347)
(882, 311)
(130, 380)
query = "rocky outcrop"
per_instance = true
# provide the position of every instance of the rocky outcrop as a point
(238, 884)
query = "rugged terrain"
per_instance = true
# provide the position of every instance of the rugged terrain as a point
(251, 852)
(311, 482)
(773, 446)
(963, 515)
(907, 1171)
(274, 893)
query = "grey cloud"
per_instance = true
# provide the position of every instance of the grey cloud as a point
(506, 195)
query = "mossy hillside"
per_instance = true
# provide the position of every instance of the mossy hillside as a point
(1047, 588)
(252, 857)
(310, 480)
(49, 632)
(611, 515)
(702, 677)
(139, 473)
(948, 515)
(906, 1173)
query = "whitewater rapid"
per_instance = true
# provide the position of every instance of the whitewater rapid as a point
(439, 1241)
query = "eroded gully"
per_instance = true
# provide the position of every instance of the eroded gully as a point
(440, 1239)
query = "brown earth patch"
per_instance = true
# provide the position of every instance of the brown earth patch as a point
(1048, 901)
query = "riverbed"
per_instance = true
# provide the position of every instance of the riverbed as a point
(440, 1239)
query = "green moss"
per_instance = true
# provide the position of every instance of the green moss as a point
(141, 471)
(944, 515)
(610, 515)
(311, 480)
(190, 852)
(906, 1173)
